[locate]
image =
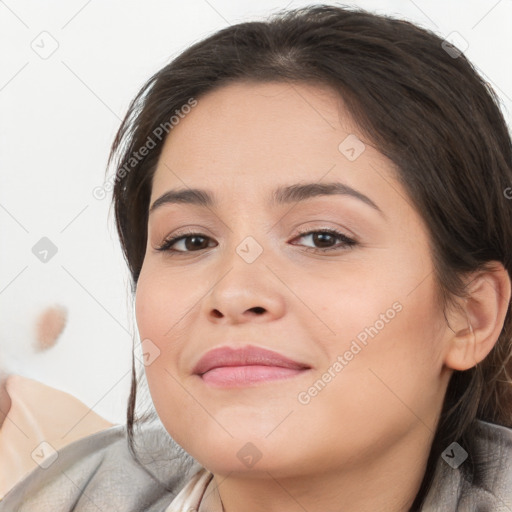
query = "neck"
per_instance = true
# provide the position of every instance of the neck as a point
(387, 481)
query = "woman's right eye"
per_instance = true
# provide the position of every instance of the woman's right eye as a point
(190, 242)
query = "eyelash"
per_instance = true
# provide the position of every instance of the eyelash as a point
(346, 242)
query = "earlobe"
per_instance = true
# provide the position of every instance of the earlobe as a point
(480, 319)
(462, 351)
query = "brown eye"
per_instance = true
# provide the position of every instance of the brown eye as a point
(191, 242)
(325, 240)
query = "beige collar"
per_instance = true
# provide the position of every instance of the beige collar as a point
(200, 494)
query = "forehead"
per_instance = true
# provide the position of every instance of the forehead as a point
(247, 138)
(264, 116)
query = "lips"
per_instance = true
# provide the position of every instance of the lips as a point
(223, 357)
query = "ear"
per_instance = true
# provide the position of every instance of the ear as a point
(477, 323)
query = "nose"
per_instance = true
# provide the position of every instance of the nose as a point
(244, 292)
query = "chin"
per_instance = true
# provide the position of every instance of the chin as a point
(243, 454)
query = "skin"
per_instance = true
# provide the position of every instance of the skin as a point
(362, 442)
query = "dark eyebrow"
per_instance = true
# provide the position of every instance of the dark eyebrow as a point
(188, 196)
(281, 195)
(300, 192)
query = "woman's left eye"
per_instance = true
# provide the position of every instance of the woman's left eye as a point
(192, 242)
(328, 236)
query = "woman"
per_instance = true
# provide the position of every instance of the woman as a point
(316, 215)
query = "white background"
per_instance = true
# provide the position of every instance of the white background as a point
(58, 117)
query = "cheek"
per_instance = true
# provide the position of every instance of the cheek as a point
(158, 310)
(388, 359)
(374, 392)
(160, 303)
(349, 303)
(383, 320)
(159, 306)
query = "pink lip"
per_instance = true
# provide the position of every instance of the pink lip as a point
(225, 366)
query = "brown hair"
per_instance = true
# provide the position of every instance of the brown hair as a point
(424, 107)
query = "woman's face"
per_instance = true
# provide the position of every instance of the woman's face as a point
(361, 318)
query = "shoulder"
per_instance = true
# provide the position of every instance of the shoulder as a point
(478, 477)
(491, 478)
(98, 472)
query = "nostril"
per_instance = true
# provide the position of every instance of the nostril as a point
(216, 313)
(258, 309)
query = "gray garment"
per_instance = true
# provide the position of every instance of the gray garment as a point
(98, 474)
